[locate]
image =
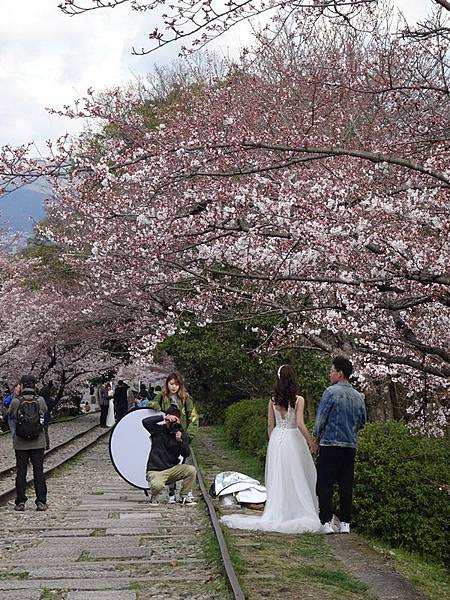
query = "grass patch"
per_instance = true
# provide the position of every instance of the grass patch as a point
(47, 594)
(13, 575)
(135, 585)
(98, 533)
(211, 554)
(84, 556)
(331, 577)
(427, 577)
(311, 546)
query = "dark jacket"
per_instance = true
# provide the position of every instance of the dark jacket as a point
(20, 443)
(120, 395)
(166, 450)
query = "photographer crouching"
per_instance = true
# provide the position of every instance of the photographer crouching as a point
(169, 442)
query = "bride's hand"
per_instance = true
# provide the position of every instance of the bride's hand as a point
(314, 446)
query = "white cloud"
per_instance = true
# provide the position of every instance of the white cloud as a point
(48, 59)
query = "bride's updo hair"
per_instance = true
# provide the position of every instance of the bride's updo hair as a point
(285, 388)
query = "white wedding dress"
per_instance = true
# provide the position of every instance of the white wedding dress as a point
(291, 505)
(110, 419)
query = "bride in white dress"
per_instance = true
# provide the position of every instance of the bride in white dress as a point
(291, 505)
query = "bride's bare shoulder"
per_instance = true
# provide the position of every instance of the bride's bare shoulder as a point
(300, 401)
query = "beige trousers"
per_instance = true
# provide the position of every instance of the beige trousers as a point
(157, 480)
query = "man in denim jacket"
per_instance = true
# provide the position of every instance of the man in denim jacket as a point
(340, 415)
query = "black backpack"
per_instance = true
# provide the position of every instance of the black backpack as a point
(28, 419)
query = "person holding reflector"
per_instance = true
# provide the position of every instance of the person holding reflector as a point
(169, 443)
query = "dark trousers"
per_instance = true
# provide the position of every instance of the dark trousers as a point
(120, 409)
(103, 414)
(36, 457)
(335, 464)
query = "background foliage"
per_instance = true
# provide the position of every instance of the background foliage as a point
(220, 366)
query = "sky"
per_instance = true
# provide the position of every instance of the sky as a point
(48, 59)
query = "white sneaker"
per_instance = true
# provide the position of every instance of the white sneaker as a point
(327, 528)
(172, 499)
(344, 528)
(187, 501)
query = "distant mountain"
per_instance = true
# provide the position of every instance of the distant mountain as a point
(21, 209)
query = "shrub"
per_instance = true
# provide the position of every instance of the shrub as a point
(246, 426)
(401, 489)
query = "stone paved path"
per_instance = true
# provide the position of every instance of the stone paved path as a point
(101, 540)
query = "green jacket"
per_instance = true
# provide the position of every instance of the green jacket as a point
(189, 414)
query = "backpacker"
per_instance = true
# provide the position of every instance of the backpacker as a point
(28, 419)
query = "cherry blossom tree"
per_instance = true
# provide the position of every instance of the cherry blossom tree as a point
(200, 21)
(310, 184)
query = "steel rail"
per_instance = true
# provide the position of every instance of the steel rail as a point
(52, 450)
(55, 422)
(5, 496)
(233, 581)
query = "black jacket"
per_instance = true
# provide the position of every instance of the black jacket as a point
(120, 395)
(165, 450)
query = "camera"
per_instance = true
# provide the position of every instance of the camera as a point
(175, 427)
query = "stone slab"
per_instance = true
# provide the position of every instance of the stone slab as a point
(72, 552)
(66, 584)
(78, 570)
(132, 530)
(55, 533)
(117, 553)
(21, 595)
(109, 595)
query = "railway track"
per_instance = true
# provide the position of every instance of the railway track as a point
(64, 452)
(54, 458)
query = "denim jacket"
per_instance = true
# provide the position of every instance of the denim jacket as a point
(340, 415)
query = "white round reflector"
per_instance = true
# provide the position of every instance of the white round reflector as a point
(129, 446)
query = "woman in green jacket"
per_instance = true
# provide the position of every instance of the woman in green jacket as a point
(174, 393)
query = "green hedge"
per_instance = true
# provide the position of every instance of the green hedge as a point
(246, 426)
(401, 480)
(401, 489)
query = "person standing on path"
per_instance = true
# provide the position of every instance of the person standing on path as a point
(29, 409)
(340, 415)
(120, 400)
(291, 505)
(103, 402)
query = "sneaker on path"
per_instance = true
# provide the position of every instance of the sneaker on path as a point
(344, 528)
(41, 506)
(327, 528)
(187, 501)
(19, 507)
(172, 499)
(154, 500)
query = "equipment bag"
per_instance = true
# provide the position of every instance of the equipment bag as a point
(28, 419)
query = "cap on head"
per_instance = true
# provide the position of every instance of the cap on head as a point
(173, 410)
